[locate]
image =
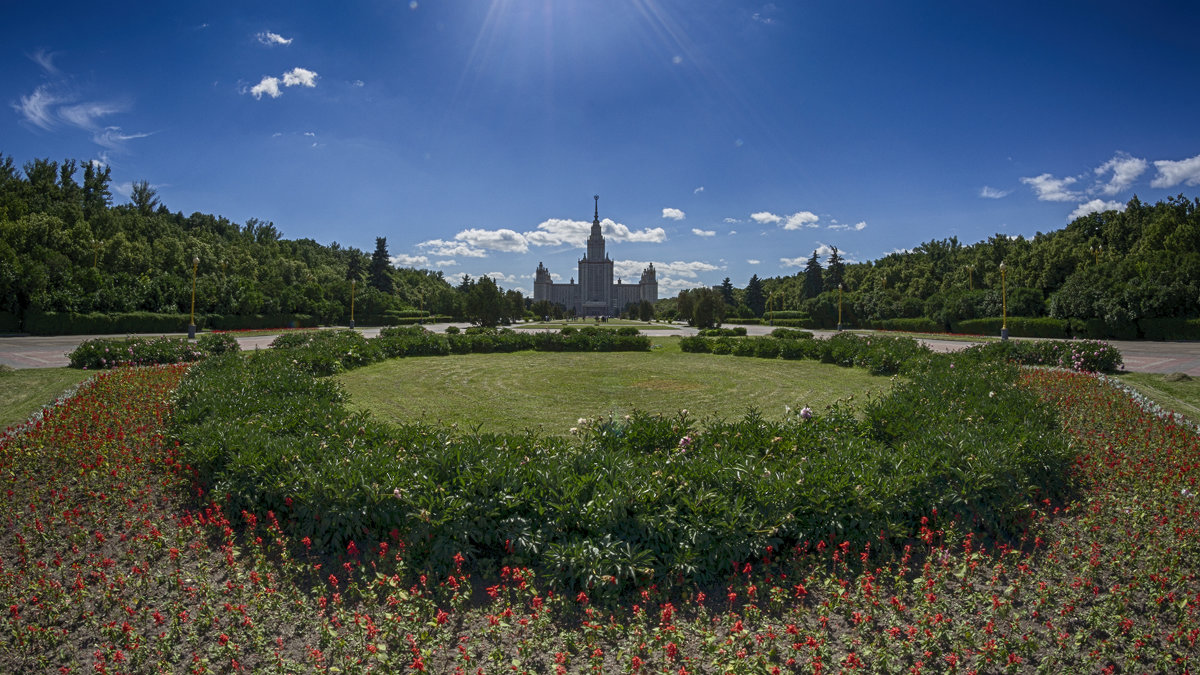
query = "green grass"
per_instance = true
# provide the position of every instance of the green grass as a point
(551, 391)
(1182, 396)
(23, 392)
(611, 323)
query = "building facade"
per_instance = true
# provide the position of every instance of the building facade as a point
(595, 294)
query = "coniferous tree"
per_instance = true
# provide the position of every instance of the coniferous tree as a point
(755, 299)
(727, 293)
(813, 277)
(381, 265)
(834, 270)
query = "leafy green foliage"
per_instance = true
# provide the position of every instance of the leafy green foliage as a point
(136, 351)
(1084, 355)
(629, 500)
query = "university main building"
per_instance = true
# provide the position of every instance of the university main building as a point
(595, 294)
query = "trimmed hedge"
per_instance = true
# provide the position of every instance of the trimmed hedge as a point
(259, 321)
(794, 323)
(1040, 327)
(1098, 329)
(327, 352)
(784, 314)
(915, 325)
(740, 331)
(38, 322)
(9, 323)
(1170, 329)
(744, 322)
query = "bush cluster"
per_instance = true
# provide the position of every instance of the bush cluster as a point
(1018, 326)
(134, 351)
(1082, 355)
(791, 334)
(739, 331)
(333, 351)
(623, 501)
(879, 354)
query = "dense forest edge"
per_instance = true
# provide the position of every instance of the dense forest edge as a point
(72, 261)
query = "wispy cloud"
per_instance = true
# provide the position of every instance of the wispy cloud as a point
(268, 38)
(45, 59)
(1172, 173)
(703, 233)
(992, 193)
(1051, 189)
(1095, 206)
(38, 107)
(114, 139)
(87, 115)
(673, 214)
(292, 78)
(1125, 170)
(698, 190)
(731, 221)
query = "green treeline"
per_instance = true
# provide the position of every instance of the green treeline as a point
(69, 256)
(1113, 274)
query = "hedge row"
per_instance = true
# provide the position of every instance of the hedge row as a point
(333, 351)
(1039, 327)
(880, 355)
(37, 322)
(100, 353)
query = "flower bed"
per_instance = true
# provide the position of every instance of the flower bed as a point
(114, 559)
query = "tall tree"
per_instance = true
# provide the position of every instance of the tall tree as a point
(144, 197)
(755, 299)
(485, 302)
(727, 292)
(381, 265)
(813, 277)
(834, 270)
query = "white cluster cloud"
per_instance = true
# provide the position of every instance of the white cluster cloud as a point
(793, 222)
(703, 233)
(268, 38)
(1095, 206)
(1051, 189)
(443, 248)
(1172, 173)
(504, 240)
(292, 78)
(752, 261)
(673, 214)
(857, 227)
(405, 260)
(1125, 170)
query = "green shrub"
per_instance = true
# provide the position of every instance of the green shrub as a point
(213, 344)
(791, 334)
(912, 325)
(134, 351)
(628, 501)
(739, 331)
(452, 330)
(38, 322)
(9, 323)
(784, 314)
(793, 323)
(694, 344)
(1083, 355)
(1170, 329)
(1040, 327)
(325, 352)
(259, 321)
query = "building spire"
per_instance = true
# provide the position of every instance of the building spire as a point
(597, 215)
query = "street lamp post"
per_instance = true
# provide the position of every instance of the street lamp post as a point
(192, 325)
(1003, 304)
(352, 282)
(839, 307)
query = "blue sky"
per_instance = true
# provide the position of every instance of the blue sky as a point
(724, 138)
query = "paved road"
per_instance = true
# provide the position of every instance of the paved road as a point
(1144, 357)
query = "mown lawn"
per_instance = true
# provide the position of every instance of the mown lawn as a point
(551, 391)
(23, 392)
(1179, 395)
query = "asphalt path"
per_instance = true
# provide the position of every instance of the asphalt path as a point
(1139, 356)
